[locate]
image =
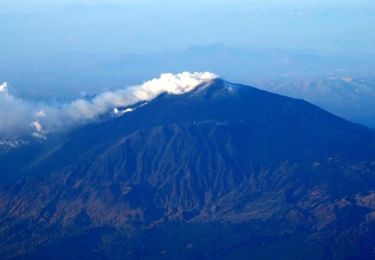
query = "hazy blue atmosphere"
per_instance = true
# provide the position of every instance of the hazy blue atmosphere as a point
(43, 35)
(33, 29)
(63, 49)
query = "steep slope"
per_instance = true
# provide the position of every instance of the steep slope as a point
(249, 171)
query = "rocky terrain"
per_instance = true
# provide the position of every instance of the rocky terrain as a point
(224, 171)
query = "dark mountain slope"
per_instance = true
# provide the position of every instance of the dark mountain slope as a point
(201, 167)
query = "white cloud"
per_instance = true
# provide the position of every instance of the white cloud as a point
(15, 113)
(4, 87)
(37, 126)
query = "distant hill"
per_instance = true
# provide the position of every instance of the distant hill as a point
(350, 97)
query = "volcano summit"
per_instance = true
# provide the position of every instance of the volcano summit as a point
(221, 171)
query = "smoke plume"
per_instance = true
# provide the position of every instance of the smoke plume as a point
(19, 116)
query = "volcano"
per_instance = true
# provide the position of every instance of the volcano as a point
(223, 171)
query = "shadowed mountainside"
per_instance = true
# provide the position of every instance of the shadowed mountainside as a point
(224, 171)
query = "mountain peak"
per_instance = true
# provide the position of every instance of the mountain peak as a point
(222, 155)
(216, 85)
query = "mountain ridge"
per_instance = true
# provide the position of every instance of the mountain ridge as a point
(222, 155)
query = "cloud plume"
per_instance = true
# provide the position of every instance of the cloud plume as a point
(19, 116)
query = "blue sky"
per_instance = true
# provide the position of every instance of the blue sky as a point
(60, 49)
(47, 28)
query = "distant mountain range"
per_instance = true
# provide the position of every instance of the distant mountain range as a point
(350, 97)
(317, 77)
(72, 74)
(223, 171)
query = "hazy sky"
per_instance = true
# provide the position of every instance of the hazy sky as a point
(44, 28)
(63, 48)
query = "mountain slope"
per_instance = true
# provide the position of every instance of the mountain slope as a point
(249, 171)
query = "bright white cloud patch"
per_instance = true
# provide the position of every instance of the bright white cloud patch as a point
(3, 87)
(15, 113)
(18, 116)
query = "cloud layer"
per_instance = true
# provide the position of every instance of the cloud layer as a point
(18, 116)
